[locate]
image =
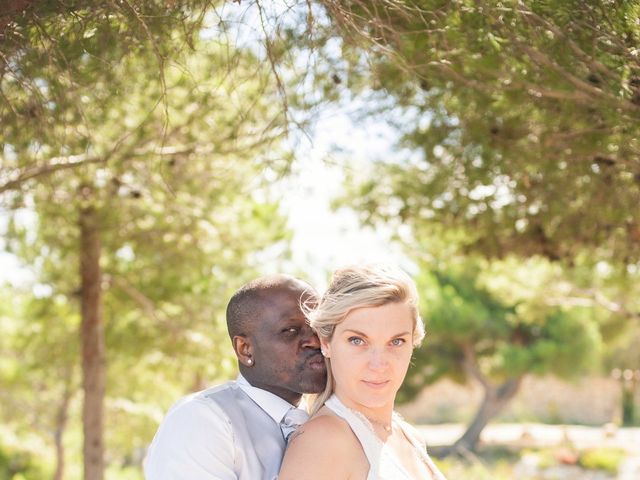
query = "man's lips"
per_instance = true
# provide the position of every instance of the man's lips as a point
(316, 361)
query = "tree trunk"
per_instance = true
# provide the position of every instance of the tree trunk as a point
(495, 399)
(60, 426)
(92, 345)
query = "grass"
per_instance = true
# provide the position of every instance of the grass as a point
(506, 463)
(490, 463)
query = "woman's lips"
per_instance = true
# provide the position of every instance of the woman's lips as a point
(376, 384)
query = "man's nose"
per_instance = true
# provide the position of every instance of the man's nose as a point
(309, 338)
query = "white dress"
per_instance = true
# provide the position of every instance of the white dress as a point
(383, 463)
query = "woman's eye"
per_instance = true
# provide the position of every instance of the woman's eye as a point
(290, 331)
(396, 342)
(356, 341)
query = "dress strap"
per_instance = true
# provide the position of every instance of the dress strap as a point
(421, 449)
(361, 427)
(381, 460)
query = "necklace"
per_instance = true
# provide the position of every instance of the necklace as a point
(387, 428)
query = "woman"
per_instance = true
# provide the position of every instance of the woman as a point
(368, 324)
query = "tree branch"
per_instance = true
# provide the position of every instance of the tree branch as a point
(55, 164)
(591, 298)
(273, 63)
(470, 364)
(137, 296)
(543, 60)
(587, 59)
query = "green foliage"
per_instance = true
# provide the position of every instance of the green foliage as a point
(524, 114)
(623, 352)
(499, 462)
(54, 50)
(520, 140)
(477, 331)
(604, 458)
(173, 147)
(493, 462)
(16, 465)
(628, 406)
(454, 468)
(21, 456)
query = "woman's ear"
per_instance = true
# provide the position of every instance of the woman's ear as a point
(244, 350)
(324, 347)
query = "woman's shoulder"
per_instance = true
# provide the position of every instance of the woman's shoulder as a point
(324, 447)
(327, 425)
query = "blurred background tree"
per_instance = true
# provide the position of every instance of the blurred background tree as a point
(141, 141)
(525, 116)
(492, 323)
(134, 172)
(519, 126)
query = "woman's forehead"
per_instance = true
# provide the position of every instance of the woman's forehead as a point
(391, 317)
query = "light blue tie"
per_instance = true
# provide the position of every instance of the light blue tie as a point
(291, 421)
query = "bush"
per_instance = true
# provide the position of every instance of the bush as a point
(602, 459)
(458, 468)
(16, 465)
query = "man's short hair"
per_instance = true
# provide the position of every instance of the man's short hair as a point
(246, 304)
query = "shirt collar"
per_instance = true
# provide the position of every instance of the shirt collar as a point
(275, 406)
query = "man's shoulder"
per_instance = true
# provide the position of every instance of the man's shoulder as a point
(204, 399)
(195, 438)
(223, 387)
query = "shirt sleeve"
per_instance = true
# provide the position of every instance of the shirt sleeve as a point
(194, 441)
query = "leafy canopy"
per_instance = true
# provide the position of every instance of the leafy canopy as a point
(524, 116)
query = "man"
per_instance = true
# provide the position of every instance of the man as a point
(237, 431)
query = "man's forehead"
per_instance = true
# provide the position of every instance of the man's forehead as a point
(285, 296)
(279, 298)
(285, 285)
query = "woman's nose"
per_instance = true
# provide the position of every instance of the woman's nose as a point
(377, 359)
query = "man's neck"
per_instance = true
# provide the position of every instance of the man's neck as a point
(287, 395)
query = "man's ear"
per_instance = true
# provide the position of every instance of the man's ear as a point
(244, 350)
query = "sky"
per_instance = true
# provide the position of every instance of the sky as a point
(325, 239)
(11, 271)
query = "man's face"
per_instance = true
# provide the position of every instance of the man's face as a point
(286, 352)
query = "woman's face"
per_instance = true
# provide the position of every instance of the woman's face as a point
(370, 352)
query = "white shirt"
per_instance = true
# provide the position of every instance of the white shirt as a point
(275, 406)
(196, 441)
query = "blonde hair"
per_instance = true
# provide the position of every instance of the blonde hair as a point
(360, 287)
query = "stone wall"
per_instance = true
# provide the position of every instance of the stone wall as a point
(590, 401)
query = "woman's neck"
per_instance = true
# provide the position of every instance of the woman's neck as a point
(378, 415)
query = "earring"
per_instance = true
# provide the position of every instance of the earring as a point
(249, 361)
(324, 354)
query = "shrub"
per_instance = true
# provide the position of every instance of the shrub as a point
(602, 458)
(16, 465)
